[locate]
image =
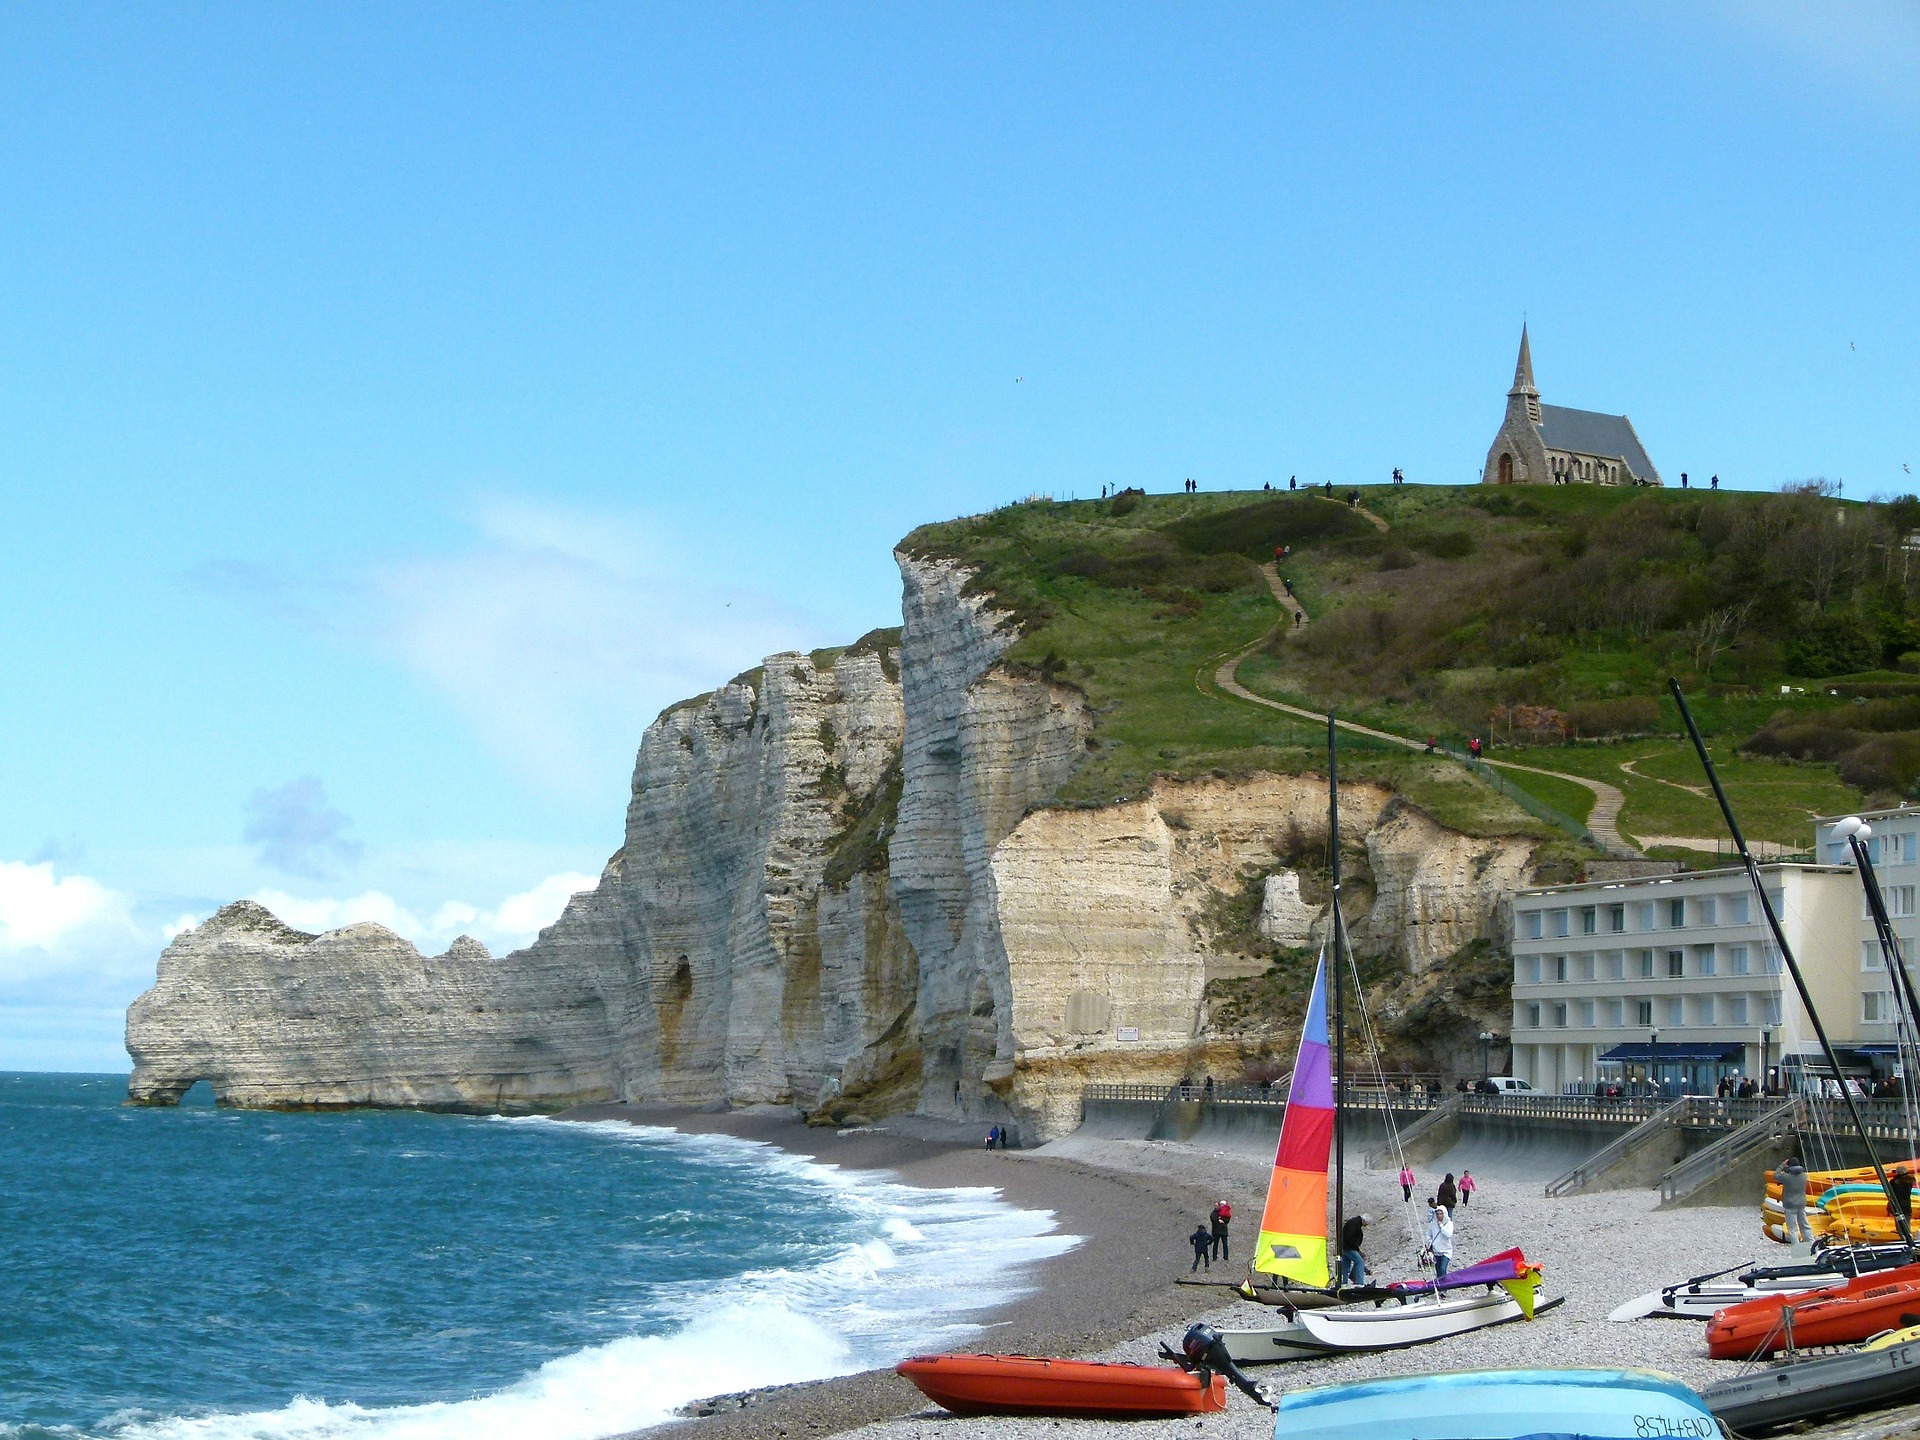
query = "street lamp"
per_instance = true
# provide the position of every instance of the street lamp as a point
(1486, 1054)
(1653, 1050)
(1766, 1055)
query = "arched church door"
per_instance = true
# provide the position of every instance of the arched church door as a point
(1506, 467)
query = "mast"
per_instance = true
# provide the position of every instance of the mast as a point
(1786, 951)
(1339, 990)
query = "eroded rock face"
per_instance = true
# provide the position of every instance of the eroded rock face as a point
(841, 888)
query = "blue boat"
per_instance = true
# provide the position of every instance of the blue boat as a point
(1501, 1405)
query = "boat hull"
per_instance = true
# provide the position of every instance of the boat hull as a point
(1315, 1333)
(1500, 1405)
(1032, 1385)
(1831, 1385)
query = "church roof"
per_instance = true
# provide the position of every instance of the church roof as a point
(1588, 432)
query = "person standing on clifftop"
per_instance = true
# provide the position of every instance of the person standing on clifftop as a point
(1200, 1240)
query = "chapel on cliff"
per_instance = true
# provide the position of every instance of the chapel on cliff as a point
(1552, 445)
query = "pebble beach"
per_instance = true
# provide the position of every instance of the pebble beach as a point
(1120, 1294)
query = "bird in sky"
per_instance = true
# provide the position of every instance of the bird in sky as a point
(1018, 378)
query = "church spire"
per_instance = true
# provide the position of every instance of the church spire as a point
(1523, 378)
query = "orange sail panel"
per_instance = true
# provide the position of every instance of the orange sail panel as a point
(1293, 1227)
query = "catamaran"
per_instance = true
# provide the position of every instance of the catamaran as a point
(1293, 1244)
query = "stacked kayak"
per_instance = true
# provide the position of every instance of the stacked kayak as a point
(1884, 1372)
(1500, 1405)
(1864, 1219)
(1839, 1315)
(1030, 1385)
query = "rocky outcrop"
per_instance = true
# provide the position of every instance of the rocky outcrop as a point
(843, 886)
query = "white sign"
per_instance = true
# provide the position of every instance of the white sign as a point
(1127, 1032)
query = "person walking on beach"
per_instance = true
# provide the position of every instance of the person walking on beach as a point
(1440, 1241)
(1353, 1265)
(1793, 1199)
(1467, 1187)
(1217, 1224)
(1406, 1182)
(1449, 1196)
(1200, 1240)
(993, 1136)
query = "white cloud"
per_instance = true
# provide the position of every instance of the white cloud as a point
(179, 927)
(39, 911)
(560, 634)
(514, 922)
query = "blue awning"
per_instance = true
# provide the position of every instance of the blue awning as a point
(1639, 1052)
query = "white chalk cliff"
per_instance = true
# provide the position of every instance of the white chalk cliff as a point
(841, 888)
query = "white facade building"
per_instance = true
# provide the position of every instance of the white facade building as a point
(1892, 851)
(1678, 976)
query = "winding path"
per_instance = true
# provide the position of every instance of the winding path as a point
(1603, 821)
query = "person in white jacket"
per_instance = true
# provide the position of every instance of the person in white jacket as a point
(1440, 1240)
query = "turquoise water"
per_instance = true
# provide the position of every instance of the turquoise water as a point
(221, 1274)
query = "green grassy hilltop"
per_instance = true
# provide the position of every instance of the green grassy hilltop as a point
(1543, 619)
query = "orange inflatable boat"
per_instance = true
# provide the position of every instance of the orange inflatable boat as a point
(1028, 1385)
(1844, 1314)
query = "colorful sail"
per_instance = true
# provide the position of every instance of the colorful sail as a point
(1510, 1270)
(1293, 1227)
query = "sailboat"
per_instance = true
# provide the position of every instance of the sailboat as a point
(1293, 1244)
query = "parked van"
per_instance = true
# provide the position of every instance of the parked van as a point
(1505, 1085)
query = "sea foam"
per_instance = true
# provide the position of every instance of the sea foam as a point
(938, 1257)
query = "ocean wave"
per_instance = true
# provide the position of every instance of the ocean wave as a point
(930, 1259)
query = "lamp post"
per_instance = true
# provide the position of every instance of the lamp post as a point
(1486, 1054)
(1653, 1050)
(1766, 1054)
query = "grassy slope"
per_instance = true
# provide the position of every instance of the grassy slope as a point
(1141, 640)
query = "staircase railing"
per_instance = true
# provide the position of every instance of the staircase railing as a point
(1439, 1115)
(1589, 1169)
(1722, 1155)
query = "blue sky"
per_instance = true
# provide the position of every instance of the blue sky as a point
(400, 404)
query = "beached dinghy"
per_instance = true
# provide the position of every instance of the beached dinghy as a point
(1877, 1375)
(1842, 1315)
(1029, 1385)
(1500, 1405)
(1705, 1295)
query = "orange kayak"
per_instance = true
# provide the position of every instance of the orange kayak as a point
(1840, 1315)
(1028, 1385)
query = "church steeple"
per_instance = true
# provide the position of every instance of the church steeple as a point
(1523, 379)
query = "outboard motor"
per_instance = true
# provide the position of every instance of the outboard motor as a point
(1202, 1352)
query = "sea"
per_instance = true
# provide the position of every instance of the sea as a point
(208, 1274)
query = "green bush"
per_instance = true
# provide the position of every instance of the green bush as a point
(1632, 715)
(1126, 502)
(1259, 529)
(1833, 645)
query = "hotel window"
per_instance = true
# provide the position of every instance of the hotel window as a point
(1616, 919)
(1708, 910)
(1643, 915)
(1676, 963)
(1616, 1013)
(1677, 914)
(1739, 909)
(1770, 958)
(1676, 1011)
(1560, 1015)
(1559, 923)
(1586, 1014)
(1646, 964)
(1737, 959)
(1899, 900)
(1530, 967)
(1616, 966)
(1876, 1007)
(1773, 1010)
(1530, 925)
(1736, 1010)
(1560, 969)
(1643, 1012)
(1900, 849)
(1703, 958)
(1586, 968)
(1706, 1010)
(1870, 956)
(1589, 920)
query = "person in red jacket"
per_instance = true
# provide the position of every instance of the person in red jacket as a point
(1218, 1222)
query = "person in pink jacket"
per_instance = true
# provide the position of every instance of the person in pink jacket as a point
(1467, 1187)
(1406, 1181)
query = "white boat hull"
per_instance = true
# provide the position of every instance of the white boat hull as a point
(1313, 1333)
(1699, 1302)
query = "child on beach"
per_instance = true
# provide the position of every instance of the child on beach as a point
(1201, 1242)
(1467, 1187)
(1406, 1182)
